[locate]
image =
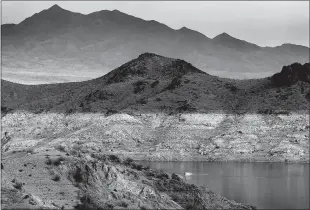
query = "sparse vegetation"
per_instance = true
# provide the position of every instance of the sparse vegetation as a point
(231, 87)
(111, 112)
(142, 101)
(60, 148)
(55, 162)
(86, 203)
(18, 185)
(175, 83)
(56, 178)
(128, 161)
(48, 161)
(154, 84)
(139, 86)
(114, 158)
(137, 166)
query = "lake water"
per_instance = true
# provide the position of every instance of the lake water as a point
(264, 185)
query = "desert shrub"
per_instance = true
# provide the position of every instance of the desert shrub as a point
(114, 158)
(146, 167)
(123, 204)
(29, 150)
(231, 87)
(69, 111)
(139, 86)
(265, 111)
(176, 177)
(102, 95)
(87, 203)
(55, 162)
(18, 185)
(78, 175)
(58, 160)
(308, 96)
(128, 161)
(284, 112)
(111, 112)
(192, 206)
(186, 81)
(102, 158)
(175, 83)
(154, 83)
(56, 178)
(73, 152)
(163, 175)
(271, 111)
(283, 97)
(5, 110)
(137, 166)
(142, 101)
(302, 89)
(48, 161)
(86, 109)
(77, 147)
(60, 148)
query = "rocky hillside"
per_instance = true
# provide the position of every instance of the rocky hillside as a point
(153, 83)
(57, 45)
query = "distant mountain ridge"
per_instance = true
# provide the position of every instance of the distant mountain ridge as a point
(95, 43)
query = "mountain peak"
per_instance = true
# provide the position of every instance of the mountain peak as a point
(223, 35)
(184, 29)
(152, 66)
(55, 7)
(232, 42)
(148, 55)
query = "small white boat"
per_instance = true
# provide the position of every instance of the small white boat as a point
(188, 173)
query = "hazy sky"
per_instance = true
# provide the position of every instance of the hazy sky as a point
(263, 22)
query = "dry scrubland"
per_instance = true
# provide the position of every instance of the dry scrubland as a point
(211, 137)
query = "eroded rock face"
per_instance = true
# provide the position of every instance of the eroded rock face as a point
(291, 74)
(250, 137)
(107, 184)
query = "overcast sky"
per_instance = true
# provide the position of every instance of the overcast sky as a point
(263, 23)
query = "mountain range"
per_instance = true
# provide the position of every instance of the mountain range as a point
(57, 45)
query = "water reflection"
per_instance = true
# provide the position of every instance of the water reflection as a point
(265, 185)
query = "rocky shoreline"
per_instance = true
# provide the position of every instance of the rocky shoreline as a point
(61, 180)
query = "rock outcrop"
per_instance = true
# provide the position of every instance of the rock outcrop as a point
(291, 74)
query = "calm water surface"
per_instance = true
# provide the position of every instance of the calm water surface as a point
(264, 185)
